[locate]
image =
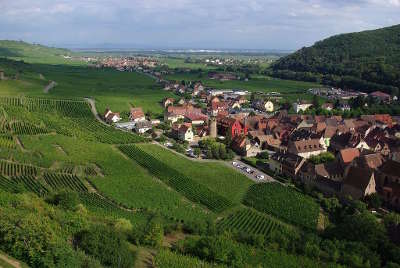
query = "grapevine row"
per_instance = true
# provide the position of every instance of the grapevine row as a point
(191, 189)
(248, 221)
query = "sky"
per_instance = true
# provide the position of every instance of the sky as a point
(212, 24)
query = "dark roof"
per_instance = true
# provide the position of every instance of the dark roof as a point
(287, 159)
(391, 167)
(358, 178)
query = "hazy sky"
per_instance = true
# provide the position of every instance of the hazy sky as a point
(258, 24)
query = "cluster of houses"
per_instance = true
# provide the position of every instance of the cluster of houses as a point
(128, 63)
(137, 120)
(366, 151)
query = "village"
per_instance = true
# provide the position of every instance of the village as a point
(345, 157)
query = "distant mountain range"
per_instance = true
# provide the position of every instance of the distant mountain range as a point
(367, 61)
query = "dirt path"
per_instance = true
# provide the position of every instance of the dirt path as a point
(92, 104)
(10, 261)
(51, 85)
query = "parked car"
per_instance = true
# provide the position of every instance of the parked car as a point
(260, 177)
(234, 164)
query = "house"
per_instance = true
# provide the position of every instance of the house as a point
(126, 125)
(137, 115)
(242, 100)
(286, 163)
(183, 132)
(381, 96)
(111, 117)
(307, 147)
(173, 118)
(168, 101)
(327, 106)
(244, 147)
(358, 183)
(267, 141)
(389, 183)
(195, 118)
(231, 126)
(346, 156)
(347, 140)
(198, 87)
(344, 107)
(218, 107)
(325, 177)
(143, 126)
(301, 106)
(174, 113)
(267, 106)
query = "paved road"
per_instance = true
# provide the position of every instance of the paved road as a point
(267, 178)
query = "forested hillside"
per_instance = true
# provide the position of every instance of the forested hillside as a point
(367, 61)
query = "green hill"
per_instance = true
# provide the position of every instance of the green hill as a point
(367, 61)
(33, 53)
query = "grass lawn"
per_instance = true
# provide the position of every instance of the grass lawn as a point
(216, 176)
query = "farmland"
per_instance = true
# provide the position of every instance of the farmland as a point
(283, 202)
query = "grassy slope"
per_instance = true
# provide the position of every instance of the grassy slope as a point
(215, 176)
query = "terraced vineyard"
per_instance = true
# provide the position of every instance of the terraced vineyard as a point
(191, 189)
(7, 141)
(23, 183)
(64, 181)
(249, 222)
(23, 128)
(12, 169)
(32, 116)
(31, 184)
(8, 185)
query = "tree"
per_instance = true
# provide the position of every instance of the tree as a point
(315, 102)
(373, 200)
(106, 245)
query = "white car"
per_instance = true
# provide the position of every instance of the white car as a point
(260, 177)
(248, 170)
(234, 164)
